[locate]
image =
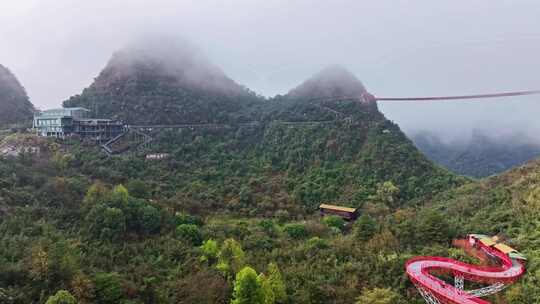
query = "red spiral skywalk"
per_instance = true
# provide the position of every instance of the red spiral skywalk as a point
(510, 267)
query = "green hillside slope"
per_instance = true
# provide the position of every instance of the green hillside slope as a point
(314, 150)
(123, 229)
(507, 205)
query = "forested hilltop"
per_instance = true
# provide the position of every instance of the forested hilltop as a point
(164, 82)
(231, 215)
(15, 106)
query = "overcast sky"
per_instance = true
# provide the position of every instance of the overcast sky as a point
(397, 48)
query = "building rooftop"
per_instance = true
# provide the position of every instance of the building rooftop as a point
(504, 248)
(495, 242)
(95, 119)
(517, 255)
(75, 109)
(488, 242)
(65, 110)
(337, 208)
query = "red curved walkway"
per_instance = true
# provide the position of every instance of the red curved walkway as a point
(420, 270)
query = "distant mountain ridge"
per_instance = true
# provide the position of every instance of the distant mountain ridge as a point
(15, 106)
(481, 156)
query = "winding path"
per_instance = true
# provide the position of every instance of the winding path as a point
(510, 267)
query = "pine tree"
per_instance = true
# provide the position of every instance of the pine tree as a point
(248, 288)
(277, 285)
(231, 258)
(378, 296)
(210, 251)
(120, 195)
(365, 227)
(269, 297)
(62, 297)
(388, 194)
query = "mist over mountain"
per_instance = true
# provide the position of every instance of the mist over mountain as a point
(306, 101)
(482, 154)
(333, 81)
(294, 134)
(161, 81)
(212, 194)
(15, 106)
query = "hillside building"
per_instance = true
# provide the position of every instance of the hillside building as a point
(65, 122)
(157, 156)
(346, 213)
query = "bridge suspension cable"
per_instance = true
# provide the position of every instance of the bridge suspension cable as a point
(366, 97)
(459, 97)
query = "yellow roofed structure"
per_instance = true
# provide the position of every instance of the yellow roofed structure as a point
(495, 242)
(504, 248)
(337, 208)
(487, 241)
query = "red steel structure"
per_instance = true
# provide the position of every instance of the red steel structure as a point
(507, 267)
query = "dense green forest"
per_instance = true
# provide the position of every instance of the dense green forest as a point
(68, 223)
(230, 216)
(121, 229)
(100, 229)
(77, 225)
